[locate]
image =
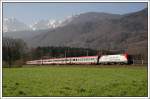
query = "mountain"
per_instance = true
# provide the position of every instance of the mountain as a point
(99, 31)
(46, 24)
(25, 35)
(11, 28)
(12, 24)
(51, 24)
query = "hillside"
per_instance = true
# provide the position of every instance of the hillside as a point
(77, 33)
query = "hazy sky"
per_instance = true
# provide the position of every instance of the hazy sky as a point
(31, 12)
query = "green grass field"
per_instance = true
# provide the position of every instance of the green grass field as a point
(75, 81)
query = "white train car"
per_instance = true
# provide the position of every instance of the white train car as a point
(104, 59)
(72, 60)
(83, 60)
(69, 60)
(34, 62)
(54, 61)
(114, 59)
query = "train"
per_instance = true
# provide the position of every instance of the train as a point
(98, 59)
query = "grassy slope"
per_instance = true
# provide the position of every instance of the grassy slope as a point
(75, 81)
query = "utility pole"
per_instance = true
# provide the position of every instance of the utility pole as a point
(68, 52)
(65, 53)
(41, 57)
(87, 53)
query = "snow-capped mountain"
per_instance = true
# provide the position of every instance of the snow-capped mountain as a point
(51, 24)
(45, 24)
(12, 24)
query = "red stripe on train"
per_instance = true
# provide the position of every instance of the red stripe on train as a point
(126, 55)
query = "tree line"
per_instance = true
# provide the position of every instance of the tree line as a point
(15, 52)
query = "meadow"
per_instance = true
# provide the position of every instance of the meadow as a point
(75, 81)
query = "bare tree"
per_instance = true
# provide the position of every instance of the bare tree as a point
(12, 50)
(8, 44)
